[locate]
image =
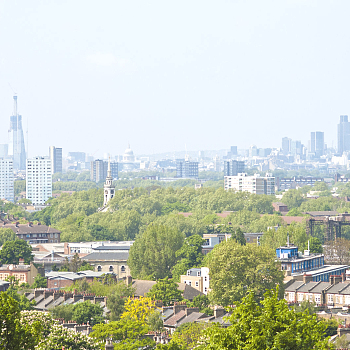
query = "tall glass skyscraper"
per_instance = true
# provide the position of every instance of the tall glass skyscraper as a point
(343, 134)
(16, 148)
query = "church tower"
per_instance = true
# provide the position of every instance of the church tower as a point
(108, 186)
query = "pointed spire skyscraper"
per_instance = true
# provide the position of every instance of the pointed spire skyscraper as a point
(16, 140)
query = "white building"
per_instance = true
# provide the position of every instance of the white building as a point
(198, 278)
(6, 180)
(39, 180)
(253, 184)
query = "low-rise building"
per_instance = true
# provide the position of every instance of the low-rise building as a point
(296, 264)
(197, 278)
(23, 273)
(34, 234)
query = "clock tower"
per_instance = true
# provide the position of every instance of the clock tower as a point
(108, 186)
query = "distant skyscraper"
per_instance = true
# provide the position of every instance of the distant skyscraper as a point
(16, 140)
(286, 145)
(39, 180)
(317, 143)
(233, 167)
(186, 168)
(6, 180)
(4, 150)
(55, 155)
(343, 134)
(99, 170)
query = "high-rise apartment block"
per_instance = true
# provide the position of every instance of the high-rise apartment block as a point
(286, 145)
(233, 167)
(186, 169)
(317, 143)
(39, 180)
(6, 180)
(16, 148)
(55, 155)
(253, 184)
(343, 135)
(99, 168)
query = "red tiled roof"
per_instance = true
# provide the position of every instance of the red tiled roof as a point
(289, 219)
(172, 320)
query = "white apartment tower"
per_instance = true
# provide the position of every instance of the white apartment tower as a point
(253, 184)
(39, 180)
(6, 180)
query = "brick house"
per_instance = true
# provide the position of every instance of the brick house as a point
(23, 273)
(34, 234)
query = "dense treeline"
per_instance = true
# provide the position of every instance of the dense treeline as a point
(131, 211)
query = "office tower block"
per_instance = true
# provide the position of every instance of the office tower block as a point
(16, 140)
(55, 155)
(6, 180)
(343, 135)
(186, 168)
(233, 150)
(296, 148)
(317, 143)
(233, 167)
(77, 156)
(286, 145)
(39, 180)
(4, 150)
(99, 168)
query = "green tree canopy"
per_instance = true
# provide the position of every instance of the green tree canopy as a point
(153, 253)
(292, 199)
(6, 234)
(12, 251)
(165, 290)
(235, 269)
(13, 334)
(268, 325)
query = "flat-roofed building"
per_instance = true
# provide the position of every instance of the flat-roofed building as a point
(253, 184)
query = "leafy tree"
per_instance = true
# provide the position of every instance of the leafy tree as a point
(61, 337)
(306, 305)
(165, 290)
(138, 309)
(6, 234)
(63, 311)
(202, 302)
(235, 269)
(39, 282)
(87, 312)
(76, 264)
(342, 342)
(238, 236)
(190, 255)
(269, 324)
(116, 300)
(155, 321)
(294, 212)
(127, 334)
(153, 254)
(331, 326)
(337, 252)
(188, 335)
(315, 245)
(13, 334)
(12, 251)
(292, 199)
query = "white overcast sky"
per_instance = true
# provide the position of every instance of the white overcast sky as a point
(94, 75)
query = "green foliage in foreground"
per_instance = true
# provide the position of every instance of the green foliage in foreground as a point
(269, 325)
(235, 268)
(12, 251)
(165, 290)
(81, 313)
(153, 254)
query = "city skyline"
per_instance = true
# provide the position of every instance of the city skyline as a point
(162, 77)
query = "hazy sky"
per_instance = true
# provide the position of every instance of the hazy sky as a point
(94, 75)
